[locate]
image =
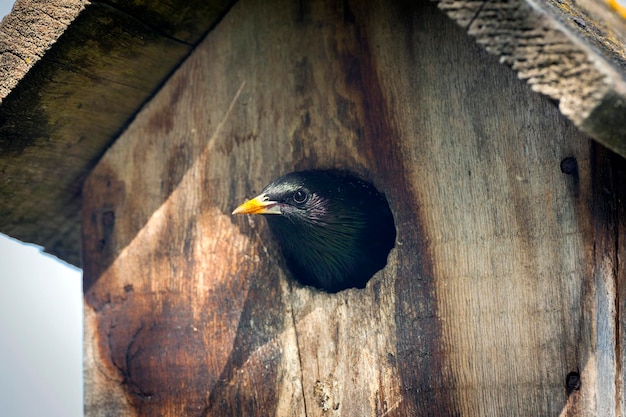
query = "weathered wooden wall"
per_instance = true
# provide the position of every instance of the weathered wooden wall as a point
(73, 73)
(505, 276)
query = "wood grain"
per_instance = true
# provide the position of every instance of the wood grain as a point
(72, 95)
(27, 32)
(490, 298)
(573, 52)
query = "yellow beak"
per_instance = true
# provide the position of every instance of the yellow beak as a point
(260, 204)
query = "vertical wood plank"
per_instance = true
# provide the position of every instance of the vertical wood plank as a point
(609, 174)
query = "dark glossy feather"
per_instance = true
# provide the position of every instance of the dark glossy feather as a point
(335, 230)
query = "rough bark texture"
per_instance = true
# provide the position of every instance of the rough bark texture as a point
(573, 52)
(504, 277)
(28, 32)
(77, 72)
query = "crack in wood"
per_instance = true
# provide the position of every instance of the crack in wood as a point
(300, 362)
(480, 9)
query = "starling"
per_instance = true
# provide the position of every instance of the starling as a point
(335, 229)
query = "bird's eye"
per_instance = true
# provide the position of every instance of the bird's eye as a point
(300, 196)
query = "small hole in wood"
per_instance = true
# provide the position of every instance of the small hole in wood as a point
(572, 382)
(108, 218)
(569, 166)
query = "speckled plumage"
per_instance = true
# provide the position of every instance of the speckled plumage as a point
(335, 230)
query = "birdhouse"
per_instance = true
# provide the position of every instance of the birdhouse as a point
(495, 132)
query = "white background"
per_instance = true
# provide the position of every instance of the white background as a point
(40, 334)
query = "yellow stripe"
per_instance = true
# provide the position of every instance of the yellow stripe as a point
(615, 5)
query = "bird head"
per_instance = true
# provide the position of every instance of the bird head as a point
(288, 196)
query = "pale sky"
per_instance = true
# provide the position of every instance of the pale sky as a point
(40, 334)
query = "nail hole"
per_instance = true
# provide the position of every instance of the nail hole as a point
(572, 382)
(108, 218)
(569, 166)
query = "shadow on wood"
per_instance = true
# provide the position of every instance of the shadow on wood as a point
(488, 300)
